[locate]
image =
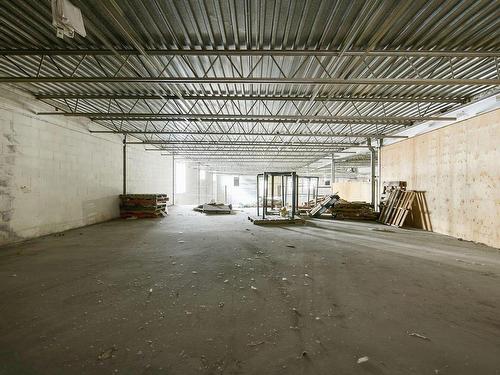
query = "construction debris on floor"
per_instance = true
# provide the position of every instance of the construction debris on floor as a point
(324, 205)
(143, 205)
(214, 208)
(345, 210)
(276, 220)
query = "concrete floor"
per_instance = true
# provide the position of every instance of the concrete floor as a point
(174, 296)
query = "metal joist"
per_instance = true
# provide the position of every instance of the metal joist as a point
(145, 96)
(260, 80)
(209, 133)
(252, 52)
(253, 118)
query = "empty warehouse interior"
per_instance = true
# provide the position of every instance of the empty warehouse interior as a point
(250, 187)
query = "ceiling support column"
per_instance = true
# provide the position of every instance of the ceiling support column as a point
(372, 171)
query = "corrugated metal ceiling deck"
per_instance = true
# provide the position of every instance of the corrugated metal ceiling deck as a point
(283, 58)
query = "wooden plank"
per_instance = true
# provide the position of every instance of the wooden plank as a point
(408, 208)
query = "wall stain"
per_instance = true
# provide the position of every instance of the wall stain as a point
(8, 147)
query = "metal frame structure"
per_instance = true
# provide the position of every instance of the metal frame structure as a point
(314, 189)
(275, 85)
(286, 177)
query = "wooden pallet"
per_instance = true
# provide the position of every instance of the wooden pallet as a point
(143, 205)
(397, 207)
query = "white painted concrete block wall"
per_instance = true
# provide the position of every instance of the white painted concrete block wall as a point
(198, 190)
(55, 175)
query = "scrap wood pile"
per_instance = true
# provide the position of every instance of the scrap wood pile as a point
(353, 211)
(328, 202)
(214, 208)
(396, 208)
(143, 205)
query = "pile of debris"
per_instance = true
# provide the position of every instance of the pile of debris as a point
(345, 210)
(143, 205)
(326, 204)
(214, 208)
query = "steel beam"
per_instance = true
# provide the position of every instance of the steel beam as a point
(297, 162)
(271, 150)
(256, 80)
(247, 151)
(378, 99)
(256, 118)
(248, 143)
(249, 52)
(322, 135)
(211, 157)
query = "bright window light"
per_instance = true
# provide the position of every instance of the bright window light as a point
(202, 174)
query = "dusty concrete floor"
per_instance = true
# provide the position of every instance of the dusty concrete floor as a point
(80, 303)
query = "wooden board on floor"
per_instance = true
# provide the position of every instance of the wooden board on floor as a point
(275, 220)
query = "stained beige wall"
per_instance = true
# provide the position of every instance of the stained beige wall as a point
(353, 190)
(459, 168)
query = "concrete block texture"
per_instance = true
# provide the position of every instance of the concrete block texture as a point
(55, 175)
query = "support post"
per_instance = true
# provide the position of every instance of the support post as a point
(125, 164)
(285, 199)
(198, 184)
(282, 191)
(294, 193)
(379, 192)
(272, 192)
(173, 179)
(308, 192)
(264, 196)
(257, 195)
(372, 170)
(332, 172)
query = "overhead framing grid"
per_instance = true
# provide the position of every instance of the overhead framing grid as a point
(239, 86)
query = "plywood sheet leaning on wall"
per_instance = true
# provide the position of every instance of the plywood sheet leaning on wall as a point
(458, 167)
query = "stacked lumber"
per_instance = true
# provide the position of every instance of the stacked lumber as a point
(345, 210)
(143, 205)
(397, 207)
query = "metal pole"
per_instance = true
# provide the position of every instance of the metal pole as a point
(332, 171)
(257, 195)
(282, 191)
(379, 195)
(264, 197)
(316, 191)
(297, 192)
(285, 199)
(294, 193)
(272, 192)
(198, 183)
(372, 170)
(125, 164)
(173, 179)
(308, 192)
